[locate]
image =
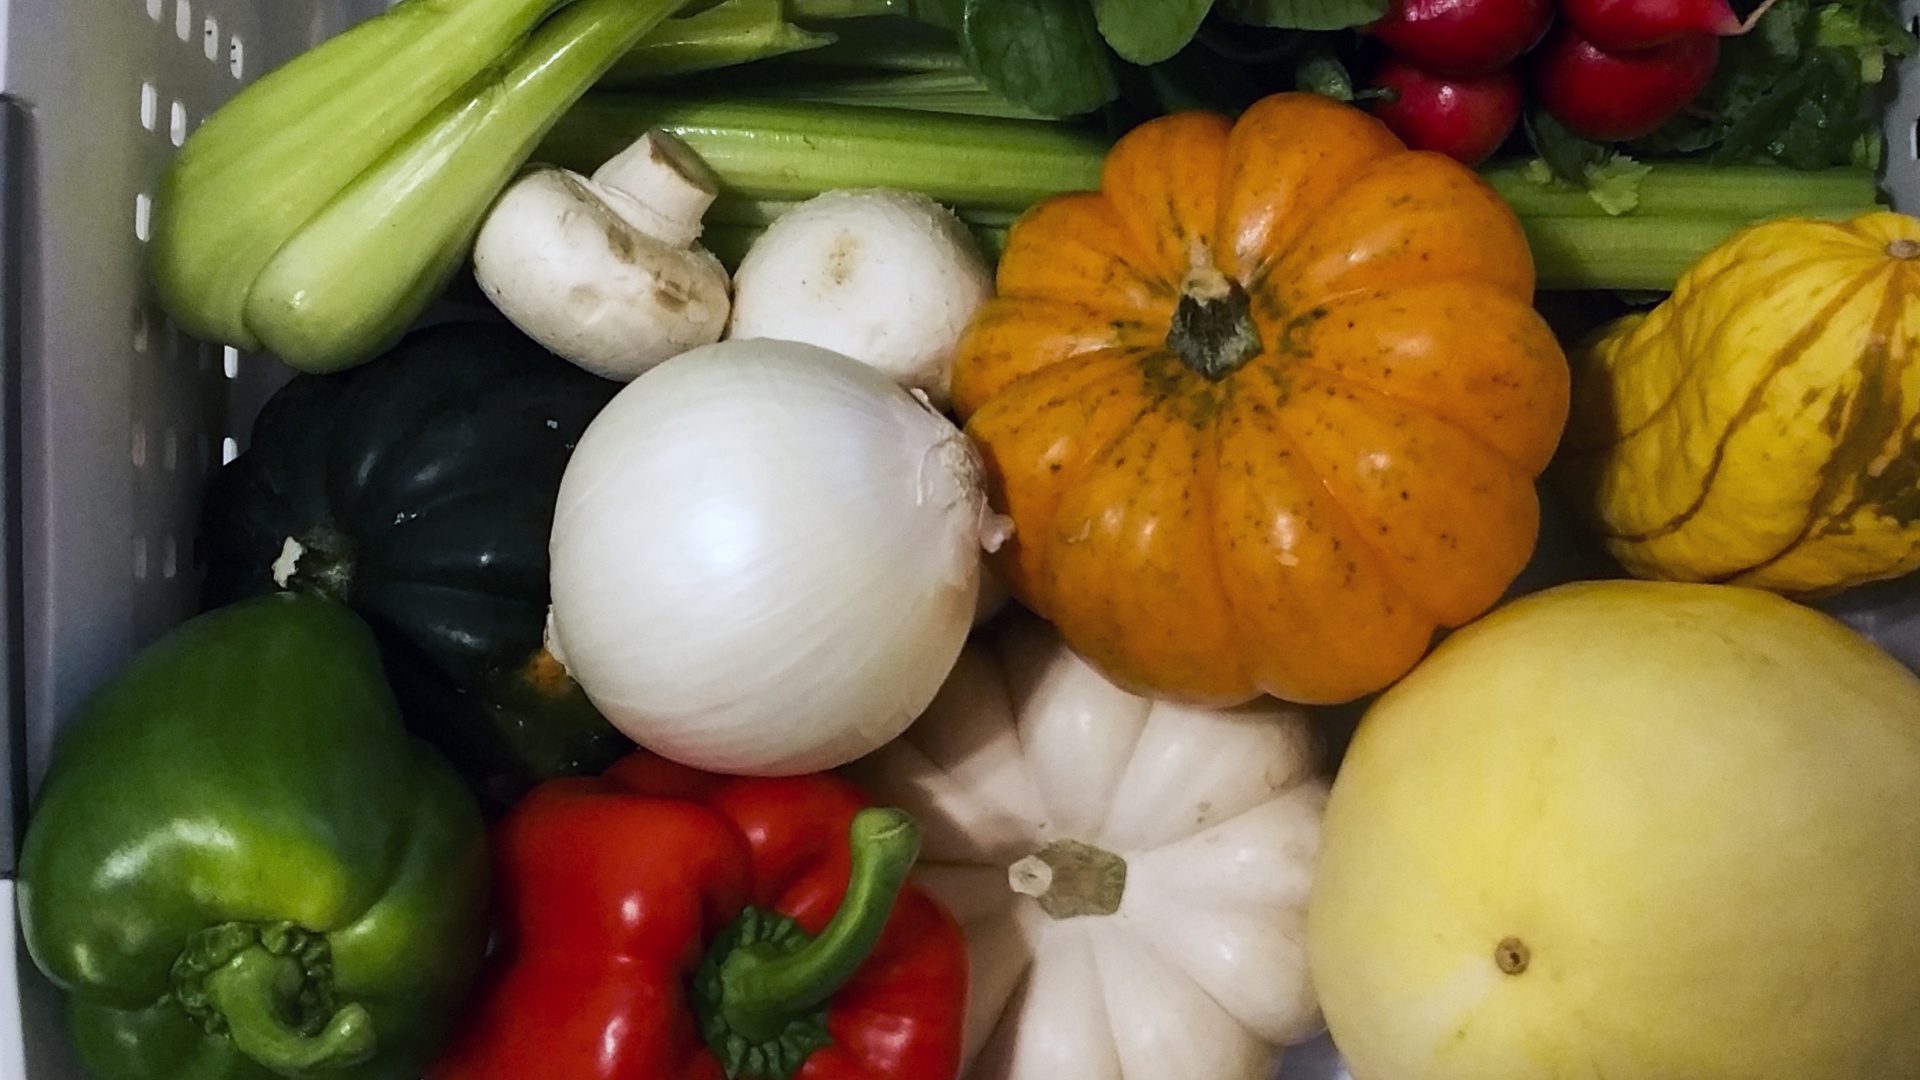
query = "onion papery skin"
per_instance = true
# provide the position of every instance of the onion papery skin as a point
(765, 558)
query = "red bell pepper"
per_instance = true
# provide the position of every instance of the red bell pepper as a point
(660, 923)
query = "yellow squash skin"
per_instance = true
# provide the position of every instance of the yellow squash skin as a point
(1687, 816)
(1762, 425)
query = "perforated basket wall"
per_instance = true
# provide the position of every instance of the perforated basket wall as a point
(110, 417)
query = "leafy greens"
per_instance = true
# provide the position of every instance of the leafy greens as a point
(1805, 88)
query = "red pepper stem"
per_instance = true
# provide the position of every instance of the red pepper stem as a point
(252, 990)
(763, 988)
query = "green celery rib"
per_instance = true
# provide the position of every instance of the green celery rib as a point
(861, 47)
(775, 153)
(927, 91)
(729, 33)
(264, 164)
(1686, 189)
(1635, 252)
(791, 150)
(736, 32)
(358, 272)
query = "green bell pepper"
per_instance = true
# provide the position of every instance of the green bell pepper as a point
(240, 866)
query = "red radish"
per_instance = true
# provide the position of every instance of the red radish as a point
(1463, 37)
(1465, 117)
(1621, 25)
(1606, 96)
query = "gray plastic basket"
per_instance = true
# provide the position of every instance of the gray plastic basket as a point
(110, 418)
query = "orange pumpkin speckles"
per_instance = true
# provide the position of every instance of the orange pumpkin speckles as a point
(1267, 409)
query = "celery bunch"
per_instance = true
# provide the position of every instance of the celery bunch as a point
(324, 208)
(769, 151)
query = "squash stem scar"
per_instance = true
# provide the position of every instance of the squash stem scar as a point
(1512, 955)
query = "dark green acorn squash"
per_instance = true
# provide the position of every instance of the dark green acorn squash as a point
(419, 489)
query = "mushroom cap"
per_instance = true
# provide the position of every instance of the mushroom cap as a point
(890, 278)
(558, 257)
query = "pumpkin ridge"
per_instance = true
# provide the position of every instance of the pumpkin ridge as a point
(1288, 112)
(1057, 221)
(1235, 605)
(1154, 175)
(1139, 258)
(1013, 331)
(1750, 408)
(1152, 539)
(1070, 475)
(1279, 679)
(1344, 513)
(1301, 253)
(1306, 364)
(1862, 440)
(1548, 363)
(1206, 502)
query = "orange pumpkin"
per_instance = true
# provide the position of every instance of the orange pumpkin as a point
(1266, 410)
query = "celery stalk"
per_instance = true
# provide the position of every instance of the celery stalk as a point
(262, 165)
(786, 150)
(865, 47)
(1634, 252)
(1679, 188)
(745, 31)
(357, 273)
(729, 33)
(929, 91)
(778, 152)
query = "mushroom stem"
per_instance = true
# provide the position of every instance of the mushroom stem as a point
(659, 187)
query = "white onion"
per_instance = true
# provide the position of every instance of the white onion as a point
(766, 558)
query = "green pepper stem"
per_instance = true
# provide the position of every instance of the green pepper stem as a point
(249, 992)
(763, 988)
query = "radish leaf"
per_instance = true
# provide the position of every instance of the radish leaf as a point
(1149, 31)
(1043, 55)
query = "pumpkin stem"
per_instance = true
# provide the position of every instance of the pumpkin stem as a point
(1071, 879)
(1213, 331)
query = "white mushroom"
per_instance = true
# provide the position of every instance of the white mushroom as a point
(605, 270)
(890, 278)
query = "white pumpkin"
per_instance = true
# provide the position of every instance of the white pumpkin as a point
(1132, 875)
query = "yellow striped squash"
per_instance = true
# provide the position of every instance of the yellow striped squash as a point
(1761, 426)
